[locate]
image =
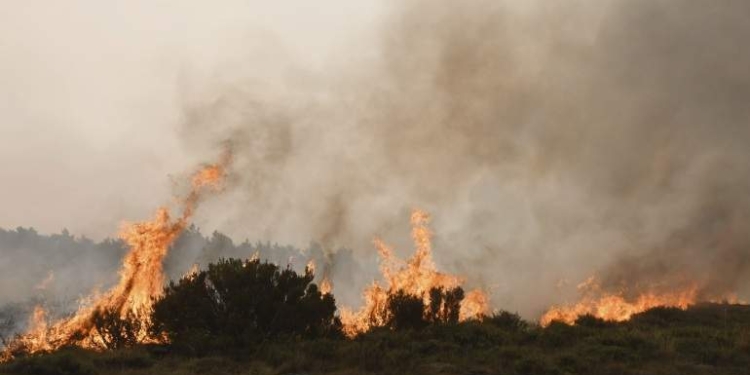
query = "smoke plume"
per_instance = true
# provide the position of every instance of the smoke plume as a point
(549, 141)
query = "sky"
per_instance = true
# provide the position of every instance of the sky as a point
(550, 141)
(91, 102)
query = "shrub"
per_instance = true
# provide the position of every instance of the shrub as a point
(406, 311)
(507, 321)
(114, 330)
(237, 303)
(445, 305)
(592, 321)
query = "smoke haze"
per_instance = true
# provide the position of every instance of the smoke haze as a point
(549, 141)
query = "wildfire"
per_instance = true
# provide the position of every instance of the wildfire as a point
(141, 277)
(310, 267)
(615, 306)
(325, 283)
(415, 277)
(326, 287)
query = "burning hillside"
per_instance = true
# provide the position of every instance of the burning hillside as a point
(416, 277)
(141, 278)
(620, 305)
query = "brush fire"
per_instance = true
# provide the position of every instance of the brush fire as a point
(416, 277)
(141, 277)
(618, 306)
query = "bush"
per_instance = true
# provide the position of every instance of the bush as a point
(592, 321)
(406, 311)
(659, 316)
(507, 321)
(114, 330)
(237, 303)
(445, 305)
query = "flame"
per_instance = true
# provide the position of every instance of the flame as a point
(192, 272)
(141, 276)
(416, 277)
(325, 283)
(326, 286)
(615, 306)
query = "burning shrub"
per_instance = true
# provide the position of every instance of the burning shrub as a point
(445, 305)
(419, 277)
(408, 311)
(238, 302)
(115, 330)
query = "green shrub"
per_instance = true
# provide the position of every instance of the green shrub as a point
(237, 303)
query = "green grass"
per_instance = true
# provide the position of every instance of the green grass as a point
(706, 339)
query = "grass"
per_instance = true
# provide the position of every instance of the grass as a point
(705, 339)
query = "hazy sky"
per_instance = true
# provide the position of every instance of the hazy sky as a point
(91, 103)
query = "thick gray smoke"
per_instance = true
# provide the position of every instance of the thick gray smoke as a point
(550, 141)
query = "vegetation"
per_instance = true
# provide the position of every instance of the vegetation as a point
(252, 317)
(705, 339)
(238, 303)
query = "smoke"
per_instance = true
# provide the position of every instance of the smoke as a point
(549, 141)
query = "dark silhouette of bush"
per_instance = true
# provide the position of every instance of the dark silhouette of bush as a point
(238, 303)
(114, 330)
(445, 305)
(406, 311)
(659, 316)
(507, 321)
(592, 321)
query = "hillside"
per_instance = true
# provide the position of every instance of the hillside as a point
(704, 339)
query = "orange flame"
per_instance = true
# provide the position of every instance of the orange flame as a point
(416, 277)
(326, 287)
(141, 277)
(310, 267)
(615, 306)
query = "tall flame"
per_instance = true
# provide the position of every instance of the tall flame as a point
(141, 276)
(415, 277)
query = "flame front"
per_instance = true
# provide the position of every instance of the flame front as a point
(415, 277)
(614, 306)
(141, 277)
